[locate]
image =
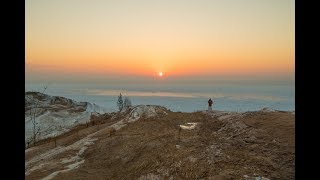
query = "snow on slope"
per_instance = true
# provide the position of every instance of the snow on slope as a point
(136, 112)
(50, 158)
(55, 115)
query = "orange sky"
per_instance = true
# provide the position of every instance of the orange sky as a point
(178, 37)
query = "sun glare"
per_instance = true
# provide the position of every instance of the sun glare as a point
(160, 74)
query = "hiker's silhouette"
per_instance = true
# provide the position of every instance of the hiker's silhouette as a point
(210, 102)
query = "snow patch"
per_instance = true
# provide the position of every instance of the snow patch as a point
(266, 109)
(75, 165)
(69, 168)
(82, 145)
(55, 115)
(189, 126)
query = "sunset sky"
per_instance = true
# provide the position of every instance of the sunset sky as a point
(97, 39)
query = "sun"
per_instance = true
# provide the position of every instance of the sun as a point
(160, 74)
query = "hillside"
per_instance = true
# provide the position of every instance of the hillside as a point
(151, 142)
(54, 115)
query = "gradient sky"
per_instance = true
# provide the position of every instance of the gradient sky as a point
(97, 39)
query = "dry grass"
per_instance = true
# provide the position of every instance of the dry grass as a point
(256, 144)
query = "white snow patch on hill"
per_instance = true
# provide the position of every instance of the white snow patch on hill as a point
(189, 126)
(55, 115)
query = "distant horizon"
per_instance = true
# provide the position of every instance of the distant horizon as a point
(169, 81)
(79, 78)
(178, 97)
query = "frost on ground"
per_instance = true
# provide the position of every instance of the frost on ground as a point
(49, 157)
(71, 162)
(69, 168)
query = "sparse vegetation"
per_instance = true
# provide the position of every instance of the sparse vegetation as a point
(120, 102)
(123, 102)
(223, 145)
(127, 103)
(33, 111)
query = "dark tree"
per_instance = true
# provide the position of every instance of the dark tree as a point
(120, 102)
(127, 103)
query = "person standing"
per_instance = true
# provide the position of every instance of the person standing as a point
(210, 102)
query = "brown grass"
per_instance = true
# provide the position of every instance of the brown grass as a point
(151, 148)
